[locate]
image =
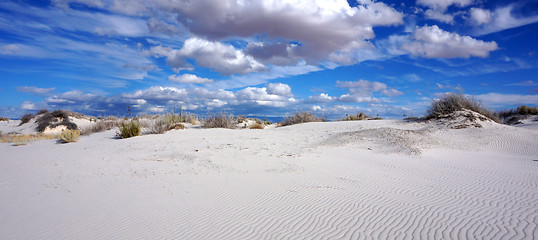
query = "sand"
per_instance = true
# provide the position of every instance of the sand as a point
(336, 180)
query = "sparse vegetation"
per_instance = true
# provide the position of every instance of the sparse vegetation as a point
(23, 139)
(302, 117)
(69, 136)
(182, 118)
(26, 118)
(453, 102)
(257, 126)
(220, 120)
(42, 111)
(101, 126)
(4, 119)
(177, 126)
(129, 129)
(358, 117)
(514, 116)
(54, 119)
(159, 126)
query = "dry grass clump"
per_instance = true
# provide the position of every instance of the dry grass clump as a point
(453, 102)
(358, 117)
(257, 126)
(221, 120)
(54, 119)
(177, 126)
(182, 118)
(4, 119)
(514, 116)
(23, 139)
(129, 129)
(302, 117)
(69, 136)
(159, 126)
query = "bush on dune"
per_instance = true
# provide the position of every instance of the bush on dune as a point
(257, 126)
(101, 126)
(358, 117)
(221, 120)
(4, 119)
(302, 117)
(54, 119)
(26, 118)
(453, 102)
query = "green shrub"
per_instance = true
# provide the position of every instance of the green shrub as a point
(129, 129)
(68, 136)
(453, 102)
(221, 120)
(302, 117)
(524, 110)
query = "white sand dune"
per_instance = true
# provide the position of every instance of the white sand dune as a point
(336, 180)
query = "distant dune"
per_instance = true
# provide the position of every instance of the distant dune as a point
(326, 180)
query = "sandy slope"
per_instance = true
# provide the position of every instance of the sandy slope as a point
(339, 180)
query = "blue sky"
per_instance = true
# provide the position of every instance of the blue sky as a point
(265, 58)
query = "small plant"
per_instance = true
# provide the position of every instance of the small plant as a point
(68, 136)
(26, 118)
(265, 122)
(42, 111)
(129, 129)
(23, 139)
(524, 110)
(302, 117)
(4, 119)
(257, 126)
(221, 120)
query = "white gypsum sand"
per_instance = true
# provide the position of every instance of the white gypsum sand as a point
(342, 180)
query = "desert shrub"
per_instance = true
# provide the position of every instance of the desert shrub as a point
(302, 117)
(359, 116)
(54, 119)
(129, 129)
(42, 111)
(524, 110)
(257, 126)
(68, 136)
(452, 102)
(4, 119)
(111, 118)
(241, 119)
(159, 126)
(221, 120)
(177, 126)
(26, 118)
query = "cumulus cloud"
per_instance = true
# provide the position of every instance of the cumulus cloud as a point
(28, 105)
(189, 78)
(35, 90)
(480, 16)
(437, 10)
(433, 42)
(321, 98)
(279, 89)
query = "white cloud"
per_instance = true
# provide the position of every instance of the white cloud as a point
(158, 93)
(35, 90)
(480, 16)
(433, 42)
(363, 88)
(503, 99)
(9, 49)
(350, 98)
(443, 4)
(189, 78)
(439, 15)
(503, 18)
(279, 89)
(28, 105)
(321, 98)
